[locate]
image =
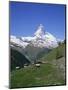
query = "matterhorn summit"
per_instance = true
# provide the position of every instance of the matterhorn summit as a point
(40, 39)
(40, 31)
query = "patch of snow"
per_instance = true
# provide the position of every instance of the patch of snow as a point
(17, 41)
(26, 38)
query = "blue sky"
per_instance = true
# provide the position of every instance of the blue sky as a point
(25, 17)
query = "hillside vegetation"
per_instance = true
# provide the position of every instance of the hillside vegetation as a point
(56, 53)
(52, 72)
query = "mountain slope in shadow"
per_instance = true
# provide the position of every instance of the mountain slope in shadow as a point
(17, 59)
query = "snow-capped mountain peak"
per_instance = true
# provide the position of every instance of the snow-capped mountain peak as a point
(40, 31)
(40, 39)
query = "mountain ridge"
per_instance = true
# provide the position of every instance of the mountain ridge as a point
(40, 39)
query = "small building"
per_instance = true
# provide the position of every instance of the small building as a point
(17, 67)
(37, 65)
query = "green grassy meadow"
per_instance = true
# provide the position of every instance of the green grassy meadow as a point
(50, 73)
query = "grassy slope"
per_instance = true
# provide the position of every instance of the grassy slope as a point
(46, 74)
(32, 76)
(59, 51)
